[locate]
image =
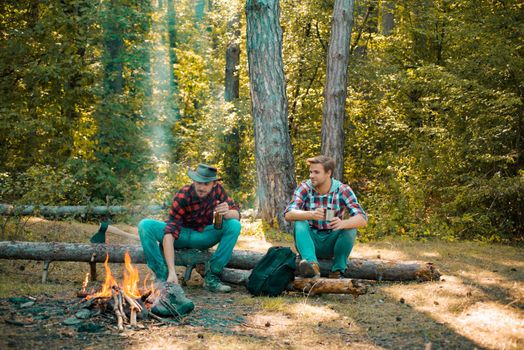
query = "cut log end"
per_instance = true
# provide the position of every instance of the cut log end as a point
(333, 286)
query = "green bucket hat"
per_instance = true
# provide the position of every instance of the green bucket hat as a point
(203, 173)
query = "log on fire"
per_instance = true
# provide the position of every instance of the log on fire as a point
(372, 269)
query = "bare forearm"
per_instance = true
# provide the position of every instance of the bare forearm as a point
(232, 214)
(298, 215)
(169, 255)
(356, 221)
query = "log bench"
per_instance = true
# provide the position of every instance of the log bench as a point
(236, 272)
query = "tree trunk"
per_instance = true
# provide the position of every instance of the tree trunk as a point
(387, 17)
(372, 269)
(231, 139)
(335, 91)
(274, 158)
(74, 210)
(200, 10)
(114, 46)
(232, 78)
(422, 30)
(171, 30)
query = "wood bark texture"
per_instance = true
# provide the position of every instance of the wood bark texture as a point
(335, 90)
(232, 78)
(274, 157)
(387, 17)
(372, 269)
(305, 285)
(74, 210)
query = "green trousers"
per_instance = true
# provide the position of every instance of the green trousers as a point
(151, 234)
(312, 244)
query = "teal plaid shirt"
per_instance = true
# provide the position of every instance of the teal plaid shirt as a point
(339, 198)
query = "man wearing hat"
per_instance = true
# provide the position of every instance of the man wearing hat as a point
(190, 225)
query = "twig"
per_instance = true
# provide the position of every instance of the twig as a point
(132, 317)
(116, 308)
(121, 306)
(132, 302)
(134, 306)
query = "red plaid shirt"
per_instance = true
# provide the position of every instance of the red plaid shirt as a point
(190, 211)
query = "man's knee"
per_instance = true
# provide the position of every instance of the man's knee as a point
(144, 228)
(349, 233)
(301, 227)
(233, 226)
(347, 237)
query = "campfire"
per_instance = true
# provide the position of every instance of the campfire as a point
(125, 298)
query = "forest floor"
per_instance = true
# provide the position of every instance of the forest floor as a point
(477, 304)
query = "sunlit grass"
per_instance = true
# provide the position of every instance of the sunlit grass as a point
(478, 301)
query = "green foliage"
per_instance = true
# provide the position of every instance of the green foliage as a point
(435, 149)
(434, 110)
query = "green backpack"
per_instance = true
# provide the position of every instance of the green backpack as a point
(273, 272)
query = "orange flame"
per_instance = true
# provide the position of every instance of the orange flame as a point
(131, 278)
(151, 285)
(129, 285)
(108, 284)
(86, 281)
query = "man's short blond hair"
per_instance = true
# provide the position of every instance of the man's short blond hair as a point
(328, 163)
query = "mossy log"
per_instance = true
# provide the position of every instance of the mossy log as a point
(75, 210)
(371, 269)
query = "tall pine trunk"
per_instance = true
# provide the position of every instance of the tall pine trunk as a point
(335, 91)
(387, 17)
(171, 31)
(232, 78)
(114, 46)
(231, 93)
(274, 159)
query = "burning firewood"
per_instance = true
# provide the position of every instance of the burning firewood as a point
(122, 295)
(119, 316)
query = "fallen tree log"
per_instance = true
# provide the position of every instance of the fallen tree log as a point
(75, 210)
(330, 286)
(372, 269)
(305, 285)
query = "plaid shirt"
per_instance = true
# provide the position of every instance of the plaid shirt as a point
(190, 211)
(340, 197)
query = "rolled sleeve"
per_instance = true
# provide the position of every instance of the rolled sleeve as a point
(174, 221)
(298, 200)
(351, 203)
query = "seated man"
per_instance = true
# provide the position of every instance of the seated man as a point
(190, 225)
(317, 210)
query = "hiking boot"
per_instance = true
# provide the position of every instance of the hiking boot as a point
(172, 302)
(212, 283)
(335, 274)
(308, 269)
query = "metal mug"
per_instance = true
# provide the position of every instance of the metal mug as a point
(329, 214)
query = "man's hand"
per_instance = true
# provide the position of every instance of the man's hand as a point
(222, 208)
(337, 224)
(172, 277)
(318, 214)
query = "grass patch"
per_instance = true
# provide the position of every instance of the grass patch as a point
(479, 301)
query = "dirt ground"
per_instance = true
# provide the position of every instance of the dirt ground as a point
(477, 304)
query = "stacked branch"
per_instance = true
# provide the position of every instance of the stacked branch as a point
(120, 298)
